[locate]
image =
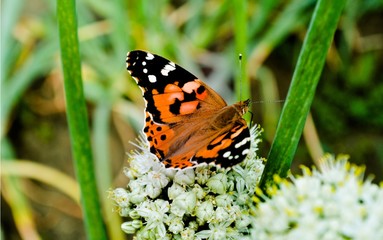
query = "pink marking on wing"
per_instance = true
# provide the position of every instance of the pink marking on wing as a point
(188, 107)
(172, 88)
(189, 87)
(167, 99)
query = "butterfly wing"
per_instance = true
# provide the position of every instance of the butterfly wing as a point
(226, 148)
(171, 93)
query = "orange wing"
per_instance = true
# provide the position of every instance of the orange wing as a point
(171, 93)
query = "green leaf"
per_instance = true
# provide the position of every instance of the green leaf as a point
(78, 120)
(302, 90)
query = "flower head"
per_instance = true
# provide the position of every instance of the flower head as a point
(333, 203)
(201, 202)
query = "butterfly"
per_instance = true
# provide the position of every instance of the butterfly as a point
(186, 122)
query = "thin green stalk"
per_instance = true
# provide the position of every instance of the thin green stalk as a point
(77, 119)
(302, 90)
(242, 84)
(101, 150)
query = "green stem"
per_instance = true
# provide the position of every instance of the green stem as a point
(78, 120)
(242, 84)
(101, 122)
(302, 90)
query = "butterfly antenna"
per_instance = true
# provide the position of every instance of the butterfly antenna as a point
(240, 75)
(271, 101)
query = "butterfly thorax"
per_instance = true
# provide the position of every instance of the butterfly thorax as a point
(230, 114)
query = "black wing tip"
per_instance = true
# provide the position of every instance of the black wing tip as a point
(137, 52)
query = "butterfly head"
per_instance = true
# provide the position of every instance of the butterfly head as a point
(243, 106)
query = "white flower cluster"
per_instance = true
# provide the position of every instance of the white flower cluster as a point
(196, 203)
(333, 203)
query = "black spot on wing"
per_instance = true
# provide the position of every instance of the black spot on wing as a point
(175, 107)
(200, 89)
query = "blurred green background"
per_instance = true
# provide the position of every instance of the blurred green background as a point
(204, 37)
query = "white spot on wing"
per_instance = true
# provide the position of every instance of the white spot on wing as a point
(149, 56)
(143, 63)
(152, 78)
(245, 152)
(226, 154)
(167, 68)
(145, 70)
(241, 143)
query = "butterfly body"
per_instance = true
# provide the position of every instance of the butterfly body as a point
(186, 122)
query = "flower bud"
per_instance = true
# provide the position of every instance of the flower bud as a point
(224, 200)
(185, 177)
(205, 211)
(137, 197)
(185, 201)
(131, 227)
(175, 190)
(218, 183)
(176, 225)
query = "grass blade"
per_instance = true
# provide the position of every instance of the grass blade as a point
(302, 89)
(77, 119)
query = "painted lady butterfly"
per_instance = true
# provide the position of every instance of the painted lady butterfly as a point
(187, 122)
